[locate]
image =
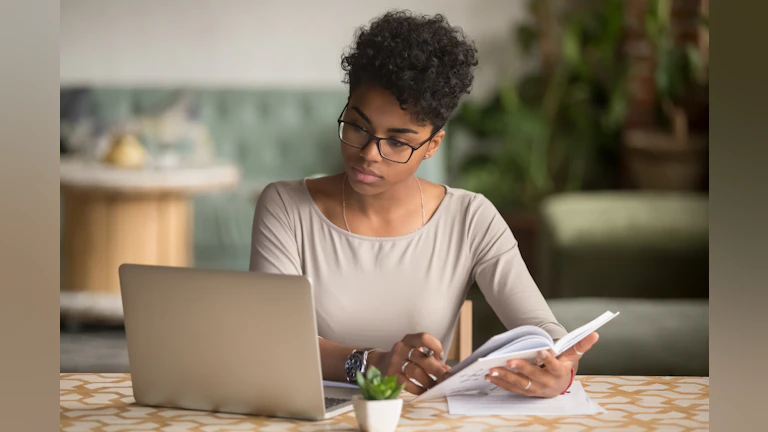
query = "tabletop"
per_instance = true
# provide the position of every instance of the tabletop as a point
(104, 402)
(80, 173)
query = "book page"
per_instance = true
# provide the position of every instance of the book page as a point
(472, 377)
(499, 341)
(580, 333)
(525, 343)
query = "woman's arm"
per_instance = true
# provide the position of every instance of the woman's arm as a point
(333, 356)
(274, 250)
(501, 274)
(504, 279)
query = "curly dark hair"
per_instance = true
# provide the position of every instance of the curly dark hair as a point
(426, 63)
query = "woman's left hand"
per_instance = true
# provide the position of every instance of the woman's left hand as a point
(526, 379)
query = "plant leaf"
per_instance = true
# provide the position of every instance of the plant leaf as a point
(397, 391)
(572, 45)
(527, 36)
(372, 374)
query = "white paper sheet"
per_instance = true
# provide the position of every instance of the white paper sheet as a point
(501, 402)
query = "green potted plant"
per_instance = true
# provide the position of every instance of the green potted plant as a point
(378, 407)
(556, 129)
(671, 155)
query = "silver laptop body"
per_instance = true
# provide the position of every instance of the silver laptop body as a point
(226, 341)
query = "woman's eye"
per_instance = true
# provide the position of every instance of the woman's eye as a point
(397, 144)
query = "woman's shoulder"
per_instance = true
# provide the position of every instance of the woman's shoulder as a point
(467, 202)
(302, 193)
(283, 189)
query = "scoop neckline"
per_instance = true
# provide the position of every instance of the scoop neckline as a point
(341, 231)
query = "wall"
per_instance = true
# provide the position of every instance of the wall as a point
(252, 43)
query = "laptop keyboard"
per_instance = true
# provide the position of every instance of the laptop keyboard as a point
(334, 402)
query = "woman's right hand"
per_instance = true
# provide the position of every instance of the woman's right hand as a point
(406, 360)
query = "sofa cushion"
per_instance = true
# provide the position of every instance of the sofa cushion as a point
(649, 337)
(624, 244)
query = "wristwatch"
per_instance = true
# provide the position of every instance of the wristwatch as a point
(357, 362)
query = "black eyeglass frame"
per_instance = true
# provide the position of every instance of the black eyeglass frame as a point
(378, 140)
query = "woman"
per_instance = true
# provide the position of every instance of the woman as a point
(391, 256)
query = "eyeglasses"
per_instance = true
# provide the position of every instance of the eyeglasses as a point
(389, 149)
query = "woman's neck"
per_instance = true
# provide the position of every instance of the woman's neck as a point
(386, 205)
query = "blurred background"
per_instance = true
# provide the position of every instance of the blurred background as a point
(587, 127)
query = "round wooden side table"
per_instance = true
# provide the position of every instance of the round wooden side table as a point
(113, 216)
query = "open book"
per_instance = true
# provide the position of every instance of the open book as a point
(522, 343)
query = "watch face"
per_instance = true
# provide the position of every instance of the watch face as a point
(353, 365)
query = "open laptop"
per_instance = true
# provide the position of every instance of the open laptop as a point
(226, 341)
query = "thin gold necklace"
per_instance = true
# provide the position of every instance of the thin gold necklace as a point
(344, 204)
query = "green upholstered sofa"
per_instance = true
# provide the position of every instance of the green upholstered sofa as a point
(272, 134)
(640, 253)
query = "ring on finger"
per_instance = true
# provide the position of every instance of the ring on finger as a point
(402, 369)
(578, 352)
(409, 353)
(528, 386)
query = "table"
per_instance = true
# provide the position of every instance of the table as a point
(113, 216)
(104, 402)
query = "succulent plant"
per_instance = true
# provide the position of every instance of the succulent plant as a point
(374, 386)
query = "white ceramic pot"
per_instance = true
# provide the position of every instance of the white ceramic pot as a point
(377, 416)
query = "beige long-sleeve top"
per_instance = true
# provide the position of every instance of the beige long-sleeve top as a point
(370, 292)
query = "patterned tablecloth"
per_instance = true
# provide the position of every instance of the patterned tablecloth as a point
(104, 402)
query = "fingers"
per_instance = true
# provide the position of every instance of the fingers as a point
(512, 382)
(549, 361)
(419, 367)
(575, 352)
(419, 340)
(524, 368)
(412, 370)
(586, 344)
(410, 387)
(430, 365)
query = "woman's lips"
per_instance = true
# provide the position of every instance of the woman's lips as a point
(365, 176)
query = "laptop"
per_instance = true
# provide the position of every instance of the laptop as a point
(226, 341)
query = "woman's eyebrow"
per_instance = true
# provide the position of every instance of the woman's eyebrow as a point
(362, 114)
(402, 130)
(393, 130)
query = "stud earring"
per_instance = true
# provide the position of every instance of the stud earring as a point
(426, 156)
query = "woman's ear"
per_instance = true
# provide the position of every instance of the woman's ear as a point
(434, 144)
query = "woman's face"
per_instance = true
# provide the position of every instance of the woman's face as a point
(377, 111)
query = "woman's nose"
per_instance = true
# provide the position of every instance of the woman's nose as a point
(370, 151)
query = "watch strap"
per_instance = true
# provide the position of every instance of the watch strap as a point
(364, 366)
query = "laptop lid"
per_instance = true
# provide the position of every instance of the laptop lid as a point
(227, 341)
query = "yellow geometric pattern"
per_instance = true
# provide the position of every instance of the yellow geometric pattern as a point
(104, 403)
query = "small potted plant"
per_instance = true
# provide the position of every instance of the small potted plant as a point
(672, 153)
(378, 406)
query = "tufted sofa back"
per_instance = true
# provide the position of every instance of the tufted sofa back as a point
(272, 134)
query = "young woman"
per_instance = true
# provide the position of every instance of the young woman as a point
(391, 256)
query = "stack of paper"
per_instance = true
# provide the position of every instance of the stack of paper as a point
(502, 402)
